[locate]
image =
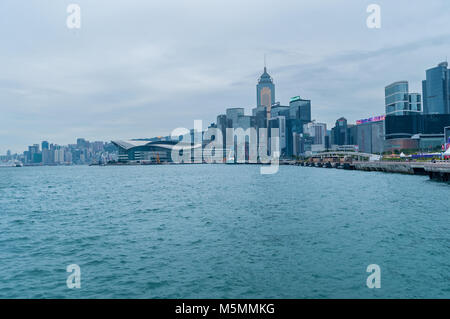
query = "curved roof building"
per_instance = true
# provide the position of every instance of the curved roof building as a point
(149, 151)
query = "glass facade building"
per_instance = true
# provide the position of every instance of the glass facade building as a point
(436, 90)
(279, 122)
(399, 101)
(415, 103)
(339, 132)
(409, 125)
(233, 115)
(146, 151)
(279, 110)
(260, 114)
(396, 98)
(447, 135)
(300, 109)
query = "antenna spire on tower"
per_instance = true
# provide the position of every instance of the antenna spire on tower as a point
(265, 65)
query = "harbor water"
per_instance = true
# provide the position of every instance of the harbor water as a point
(221, 231)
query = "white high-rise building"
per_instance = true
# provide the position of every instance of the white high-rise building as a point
(318, 132)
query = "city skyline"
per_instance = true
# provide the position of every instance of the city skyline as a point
(296, 118)
(67, 87)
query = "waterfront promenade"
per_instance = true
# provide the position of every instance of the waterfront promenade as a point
(438, 170)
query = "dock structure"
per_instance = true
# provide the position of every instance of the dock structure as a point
(437, 171)
(392, 167)
(342, 155)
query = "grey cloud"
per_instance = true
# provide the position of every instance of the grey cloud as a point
(143, 68)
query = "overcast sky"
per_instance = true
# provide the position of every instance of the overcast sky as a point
(143, 68)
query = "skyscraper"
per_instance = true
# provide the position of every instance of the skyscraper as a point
(278, 109)
(260, 114)
(370, 136)
(340, 132)
(233, 115)
(44, 145)
(300, 109)
(265, 92)
(317, 131)
(222, 124)
(415, 103)
(278, 122)
(436, 90)
(399, 101)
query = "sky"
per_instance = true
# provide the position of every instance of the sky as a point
(138, 69)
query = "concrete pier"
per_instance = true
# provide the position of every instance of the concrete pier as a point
(438, 171)
(389, 167)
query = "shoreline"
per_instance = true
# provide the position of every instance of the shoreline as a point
(436, 171)
(439, 171)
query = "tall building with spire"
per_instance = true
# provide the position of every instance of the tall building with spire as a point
(265, 92)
